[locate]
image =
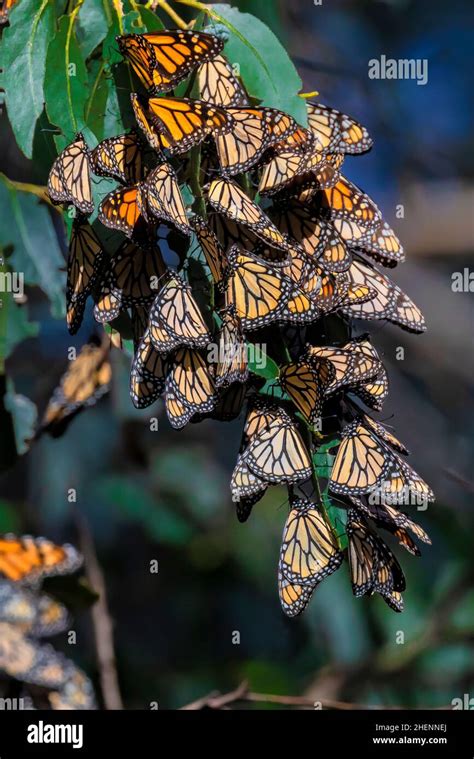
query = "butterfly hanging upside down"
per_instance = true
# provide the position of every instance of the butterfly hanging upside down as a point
(290, 256)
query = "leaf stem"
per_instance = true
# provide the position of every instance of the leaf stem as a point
(72, 19)
(221, 20)
(34, 189)
(119, 11)
(166, 7)
(199, 205)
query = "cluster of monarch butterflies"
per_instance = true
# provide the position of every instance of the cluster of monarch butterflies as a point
(293, 249)
(28, 614)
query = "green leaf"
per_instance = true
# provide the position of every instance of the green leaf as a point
(36, 251)
(9, 518)
(261, 364)
(149, 20)
(24, 415)
(92, 25)
(323, 462)
(265, 67)
(127, 345)
(23, 55)
(66, 81)
(102, 110)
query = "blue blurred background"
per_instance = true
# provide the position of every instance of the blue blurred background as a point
(164, 495)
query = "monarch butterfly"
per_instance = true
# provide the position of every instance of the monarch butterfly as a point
(349, 293)
(277, 453)
(259, 415)
(306, 383)
(246, 486)
(351, 366)
(163, 59)
(384, 434)
(86, 256)
(219, 85)
(316, 236)
(294, 598)
(361, 463)
(69, 179)
(372, 564)
(374, 392)
(309, 549)
(319, 285)
(359, 222)
(383, 514)
(229, 404)
(77, 693)
(120, 158)
(141, 117)
(175, 319)
(27, 560)
(190, 387)
(334, 131)
(86, 380)
(248, 134)
(128, 209)
(31, 662)
(232, 360)
(383, 245)
(148, 374)
(164, 199)
(131, 279)
(300, 138)
(140, 315)
(247, 489)
(281, 170)
(36, 614)
(5, 7)
(228, 233)
(183, 123)
(261, 294)
(365, 462)
(211, 247)
(125, 210)
(229, 199)
(389, 301)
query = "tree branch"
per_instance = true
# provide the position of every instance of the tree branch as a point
(241, 694)
(103, 627)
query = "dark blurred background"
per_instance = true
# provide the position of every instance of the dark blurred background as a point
(164, 495)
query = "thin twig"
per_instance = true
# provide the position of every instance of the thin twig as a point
(101, 620)
(242, 694)
(456, 477)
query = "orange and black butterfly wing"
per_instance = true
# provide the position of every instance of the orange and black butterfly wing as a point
(177, 53)
(335, 131)
(143, 122)
(27, 560)
(120, 158)
(136, 49)
(69, 179)
(164, 199)
(184, 123)
(219, 85)
(86, 256)
(124, 210)
(86, 380)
